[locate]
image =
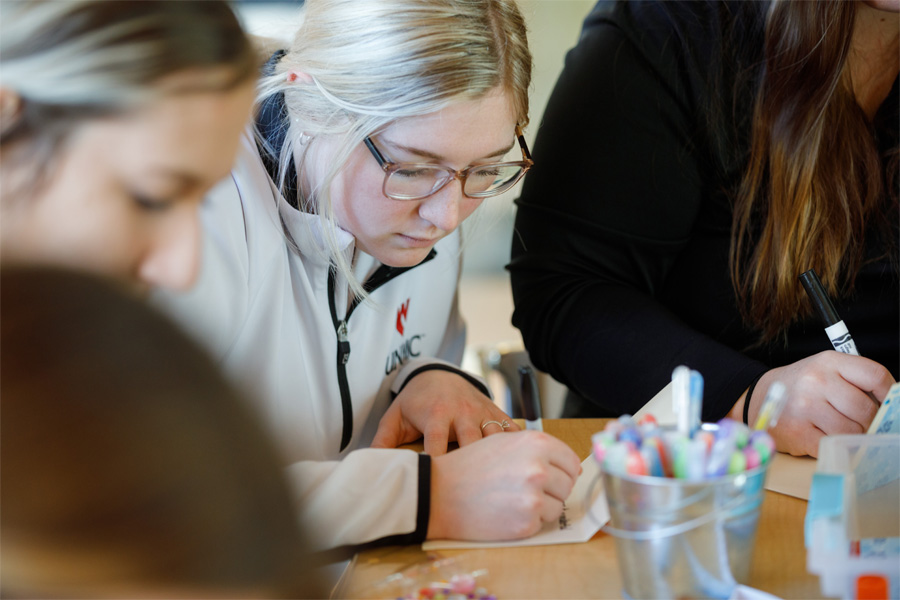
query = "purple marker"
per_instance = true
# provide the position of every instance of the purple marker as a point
(631, 434)
(727, 428)
(720, 456)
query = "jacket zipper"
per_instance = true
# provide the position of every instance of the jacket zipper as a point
(381, 276)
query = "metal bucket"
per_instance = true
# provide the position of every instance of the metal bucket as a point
(684, 539)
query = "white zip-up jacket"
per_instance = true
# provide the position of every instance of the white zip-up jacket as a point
(263, 306)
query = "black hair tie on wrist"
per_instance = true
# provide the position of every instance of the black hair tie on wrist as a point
(750, 395)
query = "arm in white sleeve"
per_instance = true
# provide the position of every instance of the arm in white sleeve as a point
(372, 495)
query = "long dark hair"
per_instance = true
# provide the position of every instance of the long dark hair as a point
(815, 178)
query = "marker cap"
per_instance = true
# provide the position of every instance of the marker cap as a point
(531, 402)
(871, 587)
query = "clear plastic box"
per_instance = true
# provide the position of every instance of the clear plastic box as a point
(852, 524)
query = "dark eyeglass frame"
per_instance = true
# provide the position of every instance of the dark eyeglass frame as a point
(390, 168)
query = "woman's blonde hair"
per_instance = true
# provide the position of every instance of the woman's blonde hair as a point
(368, 63)
(66, 62)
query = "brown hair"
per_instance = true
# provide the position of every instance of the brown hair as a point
(815, 178)
(129, 466)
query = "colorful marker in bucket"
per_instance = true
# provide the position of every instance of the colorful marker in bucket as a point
(692, 451)
(646, 449)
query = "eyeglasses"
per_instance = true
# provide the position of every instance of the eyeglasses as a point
(414, 181)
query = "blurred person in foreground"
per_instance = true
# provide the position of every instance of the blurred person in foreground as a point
(115, 119)
(128, 466)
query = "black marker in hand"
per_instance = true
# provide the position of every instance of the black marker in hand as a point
(531, 402)
(835, 328)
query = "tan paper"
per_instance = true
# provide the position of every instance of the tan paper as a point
(791, 475)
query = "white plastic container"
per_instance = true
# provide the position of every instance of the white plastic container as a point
(853, 518)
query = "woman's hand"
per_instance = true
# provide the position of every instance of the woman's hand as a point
(826, 394)
(441, 406)
(504, 487)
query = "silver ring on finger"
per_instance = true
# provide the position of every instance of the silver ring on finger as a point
(504, 425)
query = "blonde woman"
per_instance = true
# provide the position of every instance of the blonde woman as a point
(115, 119)
(329, 284)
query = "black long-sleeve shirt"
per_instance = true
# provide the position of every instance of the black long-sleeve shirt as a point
(620, 252)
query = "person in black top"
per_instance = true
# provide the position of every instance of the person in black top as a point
(696, 157)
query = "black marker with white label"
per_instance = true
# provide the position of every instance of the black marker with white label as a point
(834, 326)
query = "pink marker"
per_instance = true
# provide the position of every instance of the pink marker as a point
(601, 442)
(752, 457)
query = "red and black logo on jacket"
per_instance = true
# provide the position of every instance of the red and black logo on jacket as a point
(409, 346)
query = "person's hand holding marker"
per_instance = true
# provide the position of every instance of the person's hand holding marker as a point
(504, 487)
(827, 393)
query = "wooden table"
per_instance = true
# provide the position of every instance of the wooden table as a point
(591, 570)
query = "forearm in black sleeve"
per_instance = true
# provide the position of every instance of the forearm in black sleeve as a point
(614, 345)
(604, 214)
